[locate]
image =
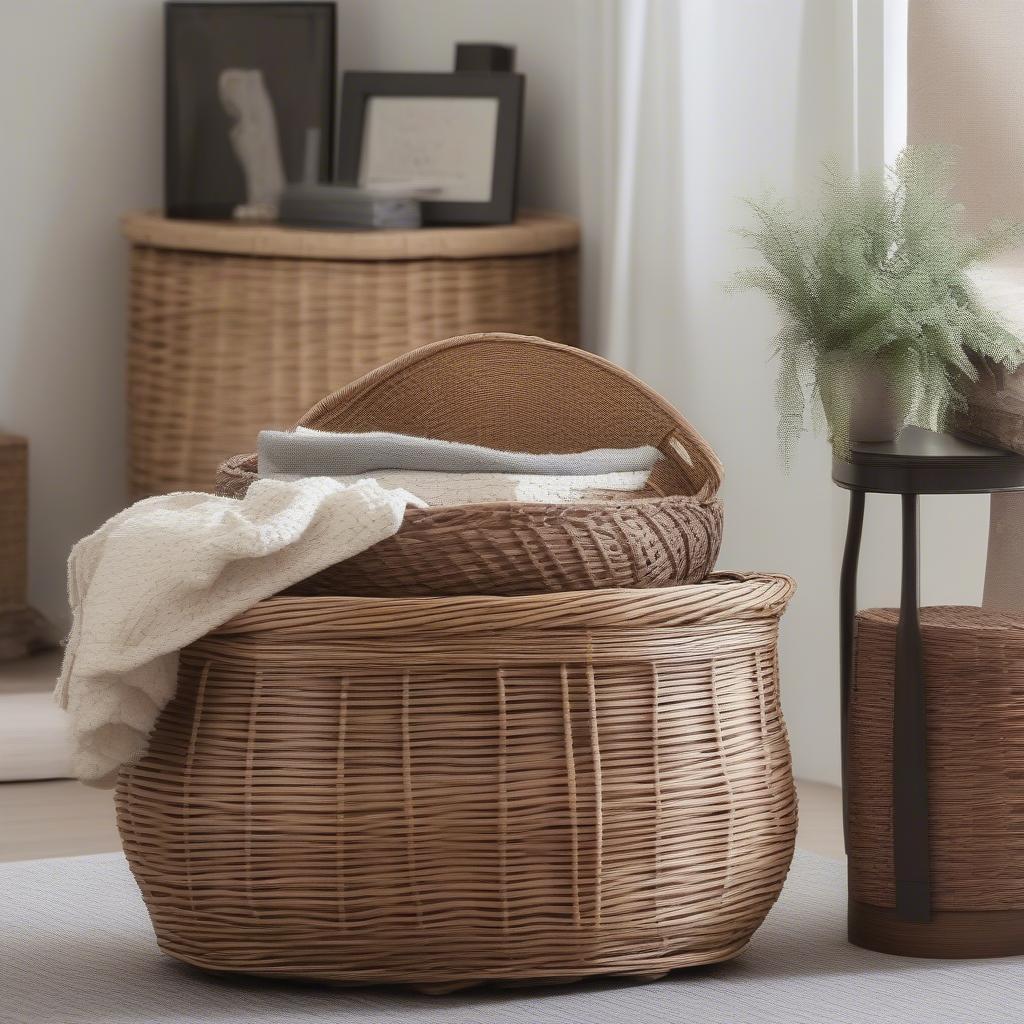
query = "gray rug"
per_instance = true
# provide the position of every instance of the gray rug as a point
(76, 947)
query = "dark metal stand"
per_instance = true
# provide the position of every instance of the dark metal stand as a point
(847, 623)
(919, 462)
(909, 740)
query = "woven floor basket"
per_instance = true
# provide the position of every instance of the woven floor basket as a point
(524, 394)
(235, 327)
(441, 792)
(974, 697)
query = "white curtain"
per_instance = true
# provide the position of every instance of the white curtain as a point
(666, 87)
(688, 106)
(644, 67)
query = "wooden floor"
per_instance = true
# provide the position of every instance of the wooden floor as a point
(61, 818)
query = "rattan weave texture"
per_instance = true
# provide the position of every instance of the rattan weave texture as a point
(974, 699)
(224, 343)
(444, 791)
(524, 394)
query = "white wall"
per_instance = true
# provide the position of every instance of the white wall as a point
(80, 115)
(80, 96)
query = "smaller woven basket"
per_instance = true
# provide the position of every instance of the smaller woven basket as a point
(523, 394)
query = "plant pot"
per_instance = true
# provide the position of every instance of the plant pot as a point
(874, 412)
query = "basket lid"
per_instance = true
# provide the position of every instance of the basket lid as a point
(521, 394)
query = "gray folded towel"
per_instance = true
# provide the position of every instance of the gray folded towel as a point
(320, 453)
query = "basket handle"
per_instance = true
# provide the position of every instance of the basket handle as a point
(527, 394)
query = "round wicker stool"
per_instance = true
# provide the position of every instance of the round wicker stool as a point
(237, 327)
(440, 791)
(974, 703)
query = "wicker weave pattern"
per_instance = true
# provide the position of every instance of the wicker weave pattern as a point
(447, 791)
(526, 395)
(223, 345)
(974, 694)
(523, 394)
(528, 549)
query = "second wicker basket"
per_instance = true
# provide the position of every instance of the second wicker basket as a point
(525, 394)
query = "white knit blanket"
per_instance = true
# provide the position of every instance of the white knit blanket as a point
(442, 489)
(167, 570)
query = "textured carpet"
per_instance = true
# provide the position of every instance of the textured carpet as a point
(76, 947)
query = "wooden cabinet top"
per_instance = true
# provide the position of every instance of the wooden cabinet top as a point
(534, 232)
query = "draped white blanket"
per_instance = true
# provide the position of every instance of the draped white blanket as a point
(167, 570)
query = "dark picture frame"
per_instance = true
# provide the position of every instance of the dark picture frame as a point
(293, 44)
(507, 88)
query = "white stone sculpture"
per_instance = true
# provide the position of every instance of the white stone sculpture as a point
(244, 96)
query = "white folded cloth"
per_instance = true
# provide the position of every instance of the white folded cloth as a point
(167, 570)
(322, 453)
(441, 489)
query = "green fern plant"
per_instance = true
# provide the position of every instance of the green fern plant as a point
(874, 275)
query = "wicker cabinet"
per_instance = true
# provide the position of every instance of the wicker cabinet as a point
(238, 327)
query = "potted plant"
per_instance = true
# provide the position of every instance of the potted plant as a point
(880, 324)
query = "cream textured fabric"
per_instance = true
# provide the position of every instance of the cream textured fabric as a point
(169, 569)
(323, 453)
(442, 489)
(79, 949)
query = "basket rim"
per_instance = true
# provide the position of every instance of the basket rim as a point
(533, 233)
(721, 597)
(983, 620)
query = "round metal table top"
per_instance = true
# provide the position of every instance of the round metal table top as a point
(923, 462)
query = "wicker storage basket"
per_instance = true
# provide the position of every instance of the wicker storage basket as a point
(235, 327)
(974, 702)
(443, 791)
(524, 394)
(995, 408)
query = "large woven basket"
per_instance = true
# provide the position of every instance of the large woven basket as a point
(443, 791)
(524, 394)
(234, 327)
(974, 703)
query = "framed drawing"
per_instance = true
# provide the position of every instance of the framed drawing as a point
(224, 60)
(451, 138)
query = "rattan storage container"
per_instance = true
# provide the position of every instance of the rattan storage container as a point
(524, 394)
(237, 327)
(974, 702)
(445, 791)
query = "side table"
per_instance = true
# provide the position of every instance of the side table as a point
(917, 462)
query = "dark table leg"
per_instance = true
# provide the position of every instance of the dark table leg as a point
(847, 624)
(909, 740)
